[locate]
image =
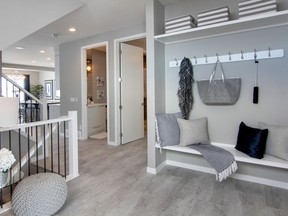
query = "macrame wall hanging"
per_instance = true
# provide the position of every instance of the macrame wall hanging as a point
(185, 94)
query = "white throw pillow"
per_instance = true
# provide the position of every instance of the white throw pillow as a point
(193, 131)
(277, 140)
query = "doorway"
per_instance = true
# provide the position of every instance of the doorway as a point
(95, 91)
(132, 89)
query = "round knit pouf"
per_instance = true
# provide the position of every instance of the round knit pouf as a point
(40, 194)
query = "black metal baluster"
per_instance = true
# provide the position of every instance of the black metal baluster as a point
(37, 151)
(20, 165)
(25, 112)
(1, 202)
(65, 171)
(20, 111)
(44, 137)
(10, 171)
(51, 136)
(29, 156)
(31, 119)
(58, 142)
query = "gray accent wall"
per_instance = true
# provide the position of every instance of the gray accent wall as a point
(224, 121)
(155, 76)
(70, 72)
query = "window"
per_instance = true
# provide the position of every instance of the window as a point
(9, 90)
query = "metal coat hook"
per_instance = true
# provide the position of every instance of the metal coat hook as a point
(195, 59)
(253, 55)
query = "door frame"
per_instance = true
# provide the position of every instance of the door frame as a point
(117, 81)
(84, 123)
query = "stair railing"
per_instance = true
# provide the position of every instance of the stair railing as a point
(59, 142)
(26, 102)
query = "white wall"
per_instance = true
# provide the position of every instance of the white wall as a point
(46, 76)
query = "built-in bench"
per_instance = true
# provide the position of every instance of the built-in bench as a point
(267, 161)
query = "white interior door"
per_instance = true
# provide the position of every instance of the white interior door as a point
(132, 93)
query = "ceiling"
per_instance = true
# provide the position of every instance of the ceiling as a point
(94, 17)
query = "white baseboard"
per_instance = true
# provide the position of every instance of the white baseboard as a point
(151, 170)
(70, 177)
(269, 182)
(6, 207)
(157, 169)
(112, 143)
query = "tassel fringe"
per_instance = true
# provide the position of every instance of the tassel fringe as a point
(158, 140)
(227, 172)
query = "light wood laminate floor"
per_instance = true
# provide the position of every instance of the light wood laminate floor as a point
(113, 182)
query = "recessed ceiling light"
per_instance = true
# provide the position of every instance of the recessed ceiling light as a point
(48, 59)
(52, 64)
(19, 47)
(72, 29)
(42, 51)
(33, 61)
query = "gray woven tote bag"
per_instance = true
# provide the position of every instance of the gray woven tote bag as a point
(219, 91)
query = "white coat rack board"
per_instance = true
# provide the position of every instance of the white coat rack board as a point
(242, 56)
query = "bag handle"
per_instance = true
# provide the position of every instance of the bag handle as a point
(214, 71)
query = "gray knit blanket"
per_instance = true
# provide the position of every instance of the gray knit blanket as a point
(220, 159)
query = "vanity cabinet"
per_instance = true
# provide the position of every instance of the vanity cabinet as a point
(96, 114)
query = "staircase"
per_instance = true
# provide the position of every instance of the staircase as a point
(31, 109)
(39, 145)
(53, 148)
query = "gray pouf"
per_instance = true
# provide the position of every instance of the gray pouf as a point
(40, 194)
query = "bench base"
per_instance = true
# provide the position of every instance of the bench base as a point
(189, 156)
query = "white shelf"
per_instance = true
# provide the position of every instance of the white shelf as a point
(261, 21)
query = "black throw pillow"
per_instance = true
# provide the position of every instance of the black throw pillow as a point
(251, 141)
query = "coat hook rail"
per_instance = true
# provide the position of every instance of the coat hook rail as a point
(243, 56)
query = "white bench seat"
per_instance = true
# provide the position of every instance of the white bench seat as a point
(268, 160)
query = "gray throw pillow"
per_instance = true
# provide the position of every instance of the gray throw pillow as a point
(277, 140)
(168, 129)
(193, 131)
